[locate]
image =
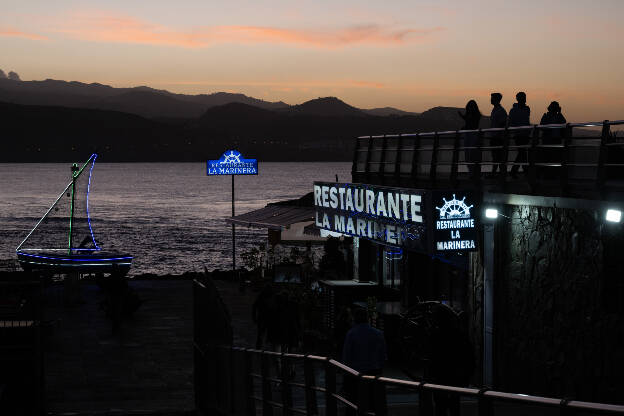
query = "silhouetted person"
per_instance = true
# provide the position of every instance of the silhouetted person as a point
(553, 116)
(451, 360)
(520, 115)
(344, 322)
(552, 136)
(263, 312)
(471, 118)
(364, 350)
(498, 119)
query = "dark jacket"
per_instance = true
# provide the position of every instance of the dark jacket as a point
(498, 117)
(364, 349)
(519, 116)
(552, 136)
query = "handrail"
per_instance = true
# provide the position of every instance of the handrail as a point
(556, 164)
(499, 129)
(368, 403)
(236, 380)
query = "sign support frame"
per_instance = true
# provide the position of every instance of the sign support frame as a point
(232, 163)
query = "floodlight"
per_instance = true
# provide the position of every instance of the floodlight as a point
(614, 215)
(491, 213)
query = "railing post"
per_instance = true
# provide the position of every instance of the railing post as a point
(250, 404)
(504, 159)
(564, 409)
(382, 159)
(532, 156)
(415, 157)
(368, 159)
(380, 402)
(331, 408)
(484, 404)
(310, 383)
(286, 390)
(267, 409)
(565, 158)
(434, 159)
(601, 171)
(425, 401)
(362, 398)
(479, 161)
(454, 166)
(397, 160)
(355, 158)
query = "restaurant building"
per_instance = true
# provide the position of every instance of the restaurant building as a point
(530, 263)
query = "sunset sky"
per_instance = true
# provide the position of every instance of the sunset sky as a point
(412, 54)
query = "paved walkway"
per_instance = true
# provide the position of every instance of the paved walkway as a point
(146, 368)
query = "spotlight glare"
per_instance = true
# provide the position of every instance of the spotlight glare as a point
(491, 213)
(614, 215)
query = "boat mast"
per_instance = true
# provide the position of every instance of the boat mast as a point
(75, 172)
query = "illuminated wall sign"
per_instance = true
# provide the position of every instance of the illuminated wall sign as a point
(232, 163)
(455, 227)
(412, 219)
(391, 216)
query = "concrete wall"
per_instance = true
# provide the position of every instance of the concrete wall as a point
(559, 320)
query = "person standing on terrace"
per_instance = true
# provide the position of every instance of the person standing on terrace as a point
(498, 119)
(520, 115)
(471, 118)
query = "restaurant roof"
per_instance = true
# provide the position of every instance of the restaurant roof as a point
(278, 216)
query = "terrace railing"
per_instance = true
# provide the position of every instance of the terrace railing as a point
(243, 381)
(553, 160)
(253, 382)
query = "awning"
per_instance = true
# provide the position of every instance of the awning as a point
(276, 217)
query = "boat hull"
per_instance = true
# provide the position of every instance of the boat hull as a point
(94, 262)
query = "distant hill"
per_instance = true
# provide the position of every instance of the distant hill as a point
(144, 101)
(145, 124)
(388, 111)
(326, 106)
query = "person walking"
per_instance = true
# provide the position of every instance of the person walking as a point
(364, 351)
(471, 118)
(520, 115)
(498, 119)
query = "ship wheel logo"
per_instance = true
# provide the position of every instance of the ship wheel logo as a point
(231, 158)
(454, 208)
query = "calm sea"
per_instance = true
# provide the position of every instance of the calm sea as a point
(170, 216)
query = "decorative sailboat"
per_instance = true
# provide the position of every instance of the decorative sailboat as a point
(62, 241)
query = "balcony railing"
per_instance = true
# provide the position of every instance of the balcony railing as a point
(243, 381)
(552, 160)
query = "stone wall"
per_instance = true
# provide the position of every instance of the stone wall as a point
(559, 320)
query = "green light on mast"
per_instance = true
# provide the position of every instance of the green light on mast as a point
(75, 172)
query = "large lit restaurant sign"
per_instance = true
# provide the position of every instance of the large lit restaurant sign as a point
(232, 163)
(391, 216)
(415, 219)
(455, 227)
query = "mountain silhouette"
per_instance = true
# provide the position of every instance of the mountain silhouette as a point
(326, 106)
(55, 120)
(388, 111)
(144, 101)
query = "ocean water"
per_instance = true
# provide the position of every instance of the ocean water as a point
(170, 216)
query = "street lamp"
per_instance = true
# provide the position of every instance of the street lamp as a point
(614, 215)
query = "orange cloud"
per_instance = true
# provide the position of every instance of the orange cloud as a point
(122, 29)
(367, 84)
(10, 32)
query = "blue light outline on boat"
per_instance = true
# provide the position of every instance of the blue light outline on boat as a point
(65, 259)
(94, 156)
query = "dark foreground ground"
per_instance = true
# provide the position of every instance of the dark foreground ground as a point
(146, 368)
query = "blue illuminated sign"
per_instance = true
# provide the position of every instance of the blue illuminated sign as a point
(232, 163)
